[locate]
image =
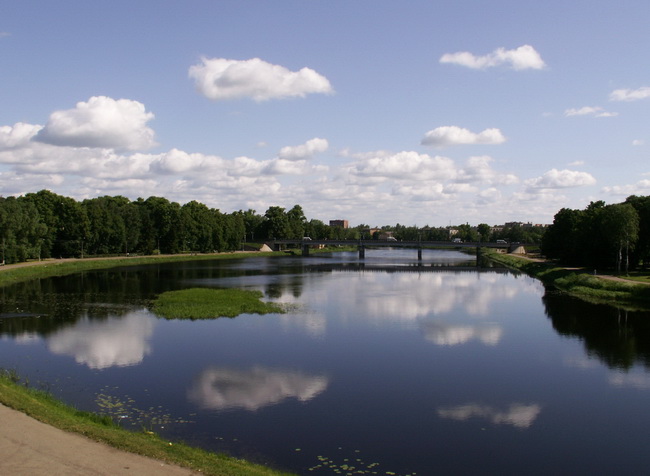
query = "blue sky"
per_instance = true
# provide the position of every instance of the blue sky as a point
(379, 112)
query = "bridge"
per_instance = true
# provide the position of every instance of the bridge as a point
(362, 245)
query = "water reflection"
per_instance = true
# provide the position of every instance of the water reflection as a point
(636, 380)
(516, 414)
(220, 388)
(443, 333)
(616, 337)
(99, 344)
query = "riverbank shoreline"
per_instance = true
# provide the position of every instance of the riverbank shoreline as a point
(40, 435)
(581, 283)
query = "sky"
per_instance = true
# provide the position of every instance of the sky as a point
(373, 111)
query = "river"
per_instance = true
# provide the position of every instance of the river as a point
(397, 366)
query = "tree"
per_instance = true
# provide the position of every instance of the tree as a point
(560, 240)
(484, 231)
(620, 229)
(198, 224)
(21, 231)
(66, 221)
(641, 252)
(276, 224)
(296, 223)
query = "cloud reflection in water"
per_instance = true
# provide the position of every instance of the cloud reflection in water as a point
(103, 343)
(517, 414)
(219, 388)
(442, 333)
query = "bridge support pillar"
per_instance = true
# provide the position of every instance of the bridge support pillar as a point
(362, 252)
(420, 254)
(305, 250)
(478, 256)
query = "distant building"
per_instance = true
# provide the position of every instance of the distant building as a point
(339, 223)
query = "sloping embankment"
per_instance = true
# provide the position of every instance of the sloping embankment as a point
(579, 282)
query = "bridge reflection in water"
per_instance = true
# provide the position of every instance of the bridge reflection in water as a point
(362, 245)
(419, 268)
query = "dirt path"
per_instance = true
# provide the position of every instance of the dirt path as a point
(29, 447)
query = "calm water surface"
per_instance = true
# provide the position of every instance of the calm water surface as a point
(388, 368)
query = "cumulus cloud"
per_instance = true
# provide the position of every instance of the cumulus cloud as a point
(589, 111)
(630, 94)
(304, 151)
(554, 179)
(479, 170)
(100, 122)
(405, 165)
(17, 135)
(642, 187)
(220, 78)
(454, 135)
(524, 57)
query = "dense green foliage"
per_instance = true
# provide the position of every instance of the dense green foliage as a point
(47, 225)
(205, 303)
(601, 236)
(15, 394)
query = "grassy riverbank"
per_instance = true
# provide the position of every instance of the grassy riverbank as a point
(581, 283)
(45, 408)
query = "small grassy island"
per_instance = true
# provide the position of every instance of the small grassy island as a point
(204, 303)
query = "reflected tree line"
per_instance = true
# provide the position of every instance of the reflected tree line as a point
(618, 338)
(45, 306)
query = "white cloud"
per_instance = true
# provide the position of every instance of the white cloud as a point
(17, 135)
(101, 122)
(589, 111)
(554, 179)
(405, 165)
(304, 151)
(220, 78)
(642, 187)
(637, 142)
(524, 57)
(630, 94)
(478, 170)
(454, 135)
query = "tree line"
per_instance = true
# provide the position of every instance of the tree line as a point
(46, 225)
(601, 236)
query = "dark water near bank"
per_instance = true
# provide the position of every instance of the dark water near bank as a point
(390, 368)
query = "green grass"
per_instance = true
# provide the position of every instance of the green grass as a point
(580, 282)
(45, 408)
(204, 303)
